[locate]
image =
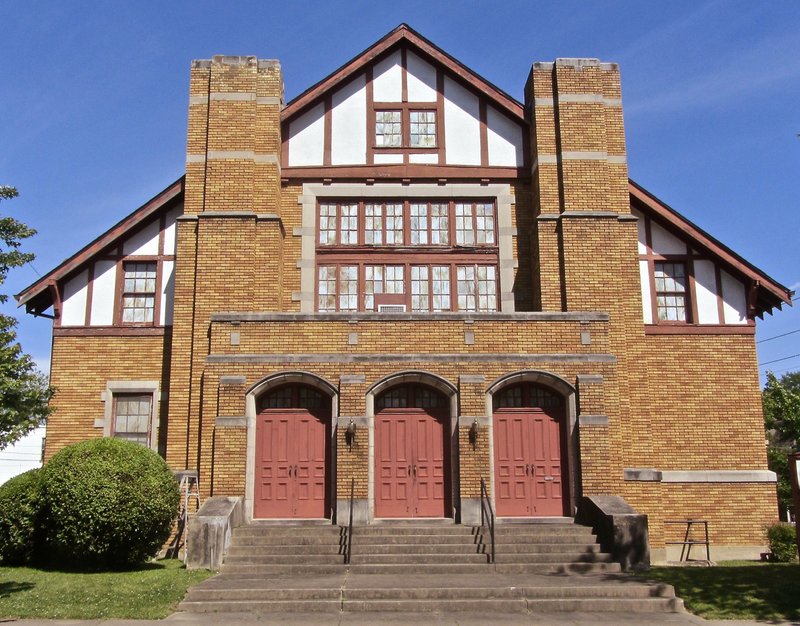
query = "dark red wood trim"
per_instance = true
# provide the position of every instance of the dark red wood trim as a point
(370, 118)
(108, 331)
(327, 131)
(720, 299)
(118, 290)
(405, 150)
(699, 329)
(440, 137)
(403, 75)
(399, 171)
(691, 289)
(89, 294)
(421, 45)
(484, 134)
(55, 295)
(163, 200)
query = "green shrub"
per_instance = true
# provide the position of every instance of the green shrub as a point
(19, 512)
(107, 503)
(782, 542)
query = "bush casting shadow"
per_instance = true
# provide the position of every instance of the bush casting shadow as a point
(11, 587)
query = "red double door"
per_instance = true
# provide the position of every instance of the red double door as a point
(292, 466)
(528, 464)
(411, 463)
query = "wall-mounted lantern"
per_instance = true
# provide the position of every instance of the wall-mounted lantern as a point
(473, 433)
(350, 434)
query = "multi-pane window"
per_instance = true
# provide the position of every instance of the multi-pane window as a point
(430, 288)
(474, 224)
(413, 255)
(416, 223)
(477, 288)
(388, 129)
(293, 397)
(423, 129)
(132, 417)
(670, 282)
(410, 396)
(526, 395)
(139, 293)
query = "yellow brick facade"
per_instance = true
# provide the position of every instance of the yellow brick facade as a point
(635, 400)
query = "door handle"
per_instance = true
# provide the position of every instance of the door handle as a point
(409, 470)
(290, 471)
(414, 469)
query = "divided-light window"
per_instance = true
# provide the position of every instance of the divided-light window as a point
(132, 417)
(139, 293)
(670, 282)
(405, 128)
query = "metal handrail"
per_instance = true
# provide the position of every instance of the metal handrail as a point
(487, 504)
(350, 524)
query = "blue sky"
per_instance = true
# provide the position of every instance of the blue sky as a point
(94, 98)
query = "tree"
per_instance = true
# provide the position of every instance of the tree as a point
(24, 391)
(781, 402)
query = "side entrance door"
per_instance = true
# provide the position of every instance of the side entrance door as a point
(529, 461)
(292, 461)
(411, 458)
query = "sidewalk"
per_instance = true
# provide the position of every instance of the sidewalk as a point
(405, 619)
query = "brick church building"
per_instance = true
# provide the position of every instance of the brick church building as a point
(406, 280)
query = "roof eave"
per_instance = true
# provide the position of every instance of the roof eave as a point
(38, 292)
(772, 294)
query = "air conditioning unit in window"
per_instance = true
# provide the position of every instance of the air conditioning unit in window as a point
(391, 308)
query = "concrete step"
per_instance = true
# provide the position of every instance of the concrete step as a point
(324, 533)
(494, 605)
(367, 539)
(261, 550)
(557, 568)
(409, 529)
(540, 548)
(417, 548)
(416, 558)
(284, 559)
(248, 570)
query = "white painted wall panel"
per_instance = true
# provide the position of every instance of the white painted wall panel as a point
(143, 242)
(462, 125)
(388, 158)
(665, 242)
(167, 293)
(734, 300)
(307, 137)
(423, 158)
(641, 230)
(647, 304)
(705, 284)
(349, 123)
(169, 229)
(421, 77)
(387, 79)
(73, 306)
(504, 139)
(103, 293)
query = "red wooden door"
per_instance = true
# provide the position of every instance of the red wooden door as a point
(411, 467)
(291, 465)
(528, 462)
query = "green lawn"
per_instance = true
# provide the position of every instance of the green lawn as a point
(150, 592)
(736, 589)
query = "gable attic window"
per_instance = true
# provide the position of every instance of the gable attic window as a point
(409, 126)
(670, 282)
(139, 293)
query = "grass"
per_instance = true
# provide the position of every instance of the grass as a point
(149, 592)
(736, 589)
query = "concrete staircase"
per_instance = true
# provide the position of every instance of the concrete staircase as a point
(423, 568)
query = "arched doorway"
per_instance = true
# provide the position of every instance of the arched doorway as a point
(530, 458)
(292, 453)
(412, 471)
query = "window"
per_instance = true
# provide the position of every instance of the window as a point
(469, 224)
(388, 129)
(394, 255)
(670, 283)
(526, 395)
(132, 417)
(405, 128)
(139, 293)
(423, 129)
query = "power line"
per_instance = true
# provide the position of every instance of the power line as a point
(786, 358)
(792, 332)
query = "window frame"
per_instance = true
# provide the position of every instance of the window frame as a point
(122, 293)
(405, 109)
(685, 263)
(406, 203)
(115, 415)
(115, 388)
